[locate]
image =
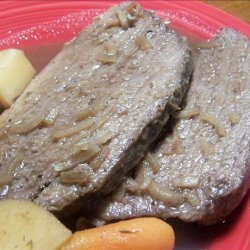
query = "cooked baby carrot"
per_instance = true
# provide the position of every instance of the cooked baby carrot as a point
(134, 234)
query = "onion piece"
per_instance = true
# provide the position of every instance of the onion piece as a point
(78, 137)
(28, 125)
(110, 47)
(119, 193)
(234, 118)
(87, 155)
(100, 122)
(186, 182)
(75, 150)
(132, 186)
(105, 58)
(144, 176)
(77, 177)
(80, 178)
(85, 124)
(78, 159)
(131, 7)
(131, 19)
(135, 10)
(112, 23)
(139, 174)
(98, 139)
(161, 193)
(153, 162)
(101, 157)
(142, 42)
(89, 111)
(189, 114)
(123, 19)
(174, 106)
(206, 148)
(174, 146)
(213, 121)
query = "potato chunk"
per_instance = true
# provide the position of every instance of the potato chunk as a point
(24, 225)
(15, 74)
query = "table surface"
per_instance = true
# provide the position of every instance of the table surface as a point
(238, 8)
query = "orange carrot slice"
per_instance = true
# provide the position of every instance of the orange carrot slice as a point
(134, 234)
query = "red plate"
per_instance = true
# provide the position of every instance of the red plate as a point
(40, 28)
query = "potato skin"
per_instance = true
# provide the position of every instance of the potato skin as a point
(138, 234)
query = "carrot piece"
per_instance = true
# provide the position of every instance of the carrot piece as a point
(134, 234)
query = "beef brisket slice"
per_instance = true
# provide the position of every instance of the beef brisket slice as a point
(91, 114)
(201, 171)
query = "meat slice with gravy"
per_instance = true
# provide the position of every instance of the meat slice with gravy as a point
(200, 171)
(91, 114)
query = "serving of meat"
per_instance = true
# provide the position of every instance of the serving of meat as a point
(91, 114)
(201, 170)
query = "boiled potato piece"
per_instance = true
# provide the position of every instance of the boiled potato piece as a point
(15, 74)
(24, 225)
